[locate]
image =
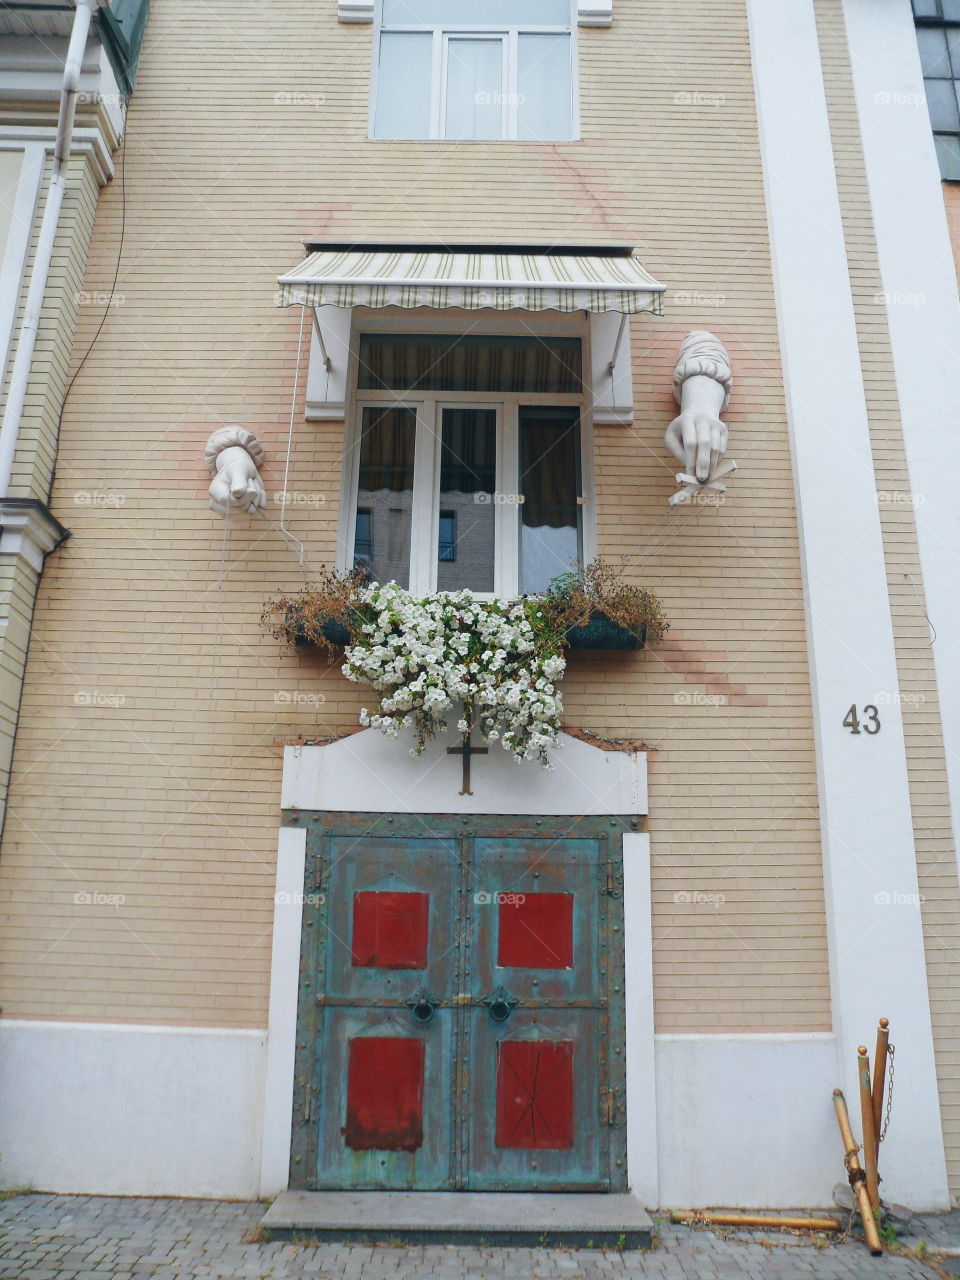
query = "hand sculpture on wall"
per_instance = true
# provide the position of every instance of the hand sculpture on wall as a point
(235, 455)
(702, 381)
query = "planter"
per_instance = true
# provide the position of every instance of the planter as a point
(602, 632)
(333, 629)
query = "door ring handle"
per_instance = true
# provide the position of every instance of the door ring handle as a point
(500, 1004)
(422, 1005)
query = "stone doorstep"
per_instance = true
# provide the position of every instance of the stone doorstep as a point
(460, 1217)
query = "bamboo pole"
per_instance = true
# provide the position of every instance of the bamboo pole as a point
(855, 1174)
(880, 1076)
(869, 1131)
(732, 1219)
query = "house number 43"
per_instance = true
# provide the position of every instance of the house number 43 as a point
(870, 722)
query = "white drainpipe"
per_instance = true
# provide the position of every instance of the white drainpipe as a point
(23, 360)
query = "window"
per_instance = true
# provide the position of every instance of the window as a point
(473, 70)
(448, 537)
(938, 33)
(468, 461)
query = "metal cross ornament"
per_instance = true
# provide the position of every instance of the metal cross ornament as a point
(466, 751)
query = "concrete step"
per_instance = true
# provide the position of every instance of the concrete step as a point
(460, 1217)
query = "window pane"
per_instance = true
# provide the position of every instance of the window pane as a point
(544, 92)
(474, 89)
(385, 494)
(951, 10)
(550, 533)
(403, 86)
(478, 13)
(926, 8)
(942, 102)
(468, 471)
(440, 362)
(948, 154)
(933, 51)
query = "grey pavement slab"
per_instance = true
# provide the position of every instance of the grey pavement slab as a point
(47, 1237)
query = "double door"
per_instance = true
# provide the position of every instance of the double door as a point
(460, 1021)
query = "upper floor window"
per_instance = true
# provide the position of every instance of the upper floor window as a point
(938, 32)
(470, 70)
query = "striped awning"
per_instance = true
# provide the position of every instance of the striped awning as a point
(503, 281)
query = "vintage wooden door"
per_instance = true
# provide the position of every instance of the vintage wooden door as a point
(460, 1021)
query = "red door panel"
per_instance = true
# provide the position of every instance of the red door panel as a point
(390, 930)
(384, 1094)
(536, 931)
(535, 1094)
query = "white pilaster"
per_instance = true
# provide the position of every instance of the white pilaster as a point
(875, 936)
(920, 292)
(282, 1026)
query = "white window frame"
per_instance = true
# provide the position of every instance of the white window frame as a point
(425, 514)
(509, 37)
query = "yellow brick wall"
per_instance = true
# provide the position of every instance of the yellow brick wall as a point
(148, 760)
(936, 859)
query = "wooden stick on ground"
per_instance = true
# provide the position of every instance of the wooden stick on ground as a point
(855, 1175)
(736, 1219)
(869, 1131)
(880, 1076)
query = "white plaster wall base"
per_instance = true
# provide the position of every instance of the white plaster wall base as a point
(368, 772)
(747, 1121)
(131, 1110)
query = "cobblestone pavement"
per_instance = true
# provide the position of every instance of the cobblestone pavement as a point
(47, 1237)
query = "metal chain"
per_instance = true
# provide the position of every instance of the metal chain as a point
(891, 1051)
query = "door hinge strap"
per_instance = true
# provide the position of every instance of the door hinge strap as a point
(608, 1106)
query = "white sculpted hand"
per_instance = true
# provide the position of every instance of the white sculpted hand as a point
(237, 483)
(235, 455)
(697, 436)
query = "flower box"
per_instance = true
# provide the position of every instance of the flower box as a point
(333, 629)
(602, 632)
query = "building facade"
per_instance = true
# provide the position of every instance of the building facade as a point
(247, 946)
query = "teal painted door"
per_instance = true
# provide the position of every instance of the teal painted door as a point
(460, 1022)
